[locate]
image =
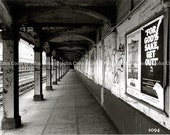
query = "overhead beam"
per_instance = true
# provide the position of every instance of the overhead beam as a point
(68, 46)
(73, 51)
(5, 16)
(73, 56)
(27, 37)
(85, 37)
(68, 9)
(94, 14)
(74, 25)
(78, 44)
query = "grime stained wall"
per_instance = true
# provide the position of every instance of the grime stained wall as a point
(114, 61)
(148, 10)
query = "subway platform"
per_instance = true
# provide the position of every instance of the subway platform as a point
(67, 109)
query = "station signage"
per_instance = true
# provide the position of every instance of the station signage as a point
(145, 63)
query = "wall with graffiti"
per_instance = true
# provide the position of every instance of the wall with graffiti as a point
(109, 57)
(108, 66)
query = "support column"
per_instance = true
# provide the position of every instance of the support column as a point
(61, 68)
(58, 70)
(48, 72)
(67, 67)
(64, 68)
(38, 95)
(54, 70)
(11, 118)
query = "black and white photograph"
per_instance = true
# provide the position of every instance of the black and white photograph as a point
(90, 67)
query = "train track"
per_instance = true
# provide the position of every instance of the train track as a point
(25, 85)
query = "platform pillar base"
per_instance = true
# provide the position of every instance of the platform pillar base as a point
(55, 82)
(38, 97)
(49, 88)
(11, 123)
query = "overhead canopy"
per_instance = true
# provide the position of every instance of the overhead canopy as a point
(69, 26)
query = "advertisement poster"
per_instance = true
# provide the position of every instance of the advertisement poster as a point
(145, 63)
(152, 59)
(133, 63)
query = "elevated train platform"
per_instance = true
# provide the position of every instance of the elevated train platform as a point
(68, 109)
(117, 55)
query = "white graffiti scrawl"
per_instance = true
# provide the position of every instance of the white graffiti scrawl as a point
(118, 58)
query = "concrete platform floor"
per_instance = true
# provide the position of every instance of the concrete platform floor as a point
(68, 109)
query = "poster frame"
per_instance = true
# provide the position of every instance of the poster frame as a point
(165, 57)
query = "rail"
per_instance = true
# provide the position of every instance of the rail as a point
(24, 86)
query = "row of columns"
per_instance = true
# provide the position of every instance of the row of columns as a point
(11, 118)
(60, 68)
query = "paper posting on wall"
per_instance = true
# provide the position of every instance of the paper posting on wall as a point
(133, 63)
(152, 62)
(145, 63)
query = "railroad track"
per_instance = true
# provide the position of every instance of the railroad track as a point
(24, 86)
